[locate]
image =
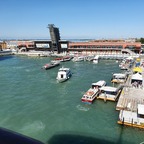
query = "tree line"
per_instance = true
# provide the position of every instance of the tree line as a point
(140, 40)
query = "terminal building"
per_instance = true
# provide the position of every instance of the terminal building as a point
(106, 46)
(55, 44)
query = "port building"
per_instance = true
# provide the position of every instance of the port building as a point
(105, 46)
(55, 44)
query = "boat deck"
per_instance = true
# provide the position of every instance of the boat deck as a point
(91, 92)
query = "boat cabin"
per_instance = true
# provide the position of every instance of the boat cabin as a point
(119, 78)
(98, 84)
(109, 93)
(63, 74)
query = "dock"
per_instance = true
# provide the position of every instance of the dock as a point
(131, 102)
(34, 53)
(130, 96)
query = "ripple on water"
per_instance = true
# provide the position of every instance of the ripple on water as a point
(33, 127)
(82, 108)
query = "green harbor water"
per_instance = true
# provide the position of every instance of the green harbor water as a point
(34, 104)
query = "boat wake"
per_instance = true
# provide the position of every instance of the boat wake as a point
(82, 108)
(33, 127)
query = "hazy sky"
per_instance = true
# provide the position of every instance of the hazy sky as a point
(74, 18)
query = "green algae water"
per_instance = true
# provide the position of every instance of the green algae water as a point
(33, 103)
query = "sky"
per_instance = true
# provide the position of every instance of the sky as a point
(86, 19)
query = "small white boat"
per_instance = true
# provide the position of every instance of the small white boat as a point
(96, 59)
(119, 78)
(78, 59)
(93, 92)
(63, 74)
(67, 58)
(109, 93)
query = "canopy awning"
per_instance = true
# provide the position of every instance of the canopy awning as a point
(137, 69)
(137, 76)
(138, 59)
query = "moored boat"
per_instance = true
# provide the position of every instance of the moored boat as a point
(93, 92)
(51, 65)
(63, 59)
(119, 78)
(109, 93)
(78, 58)
(96, 59)
(66, 58)
(63, 74)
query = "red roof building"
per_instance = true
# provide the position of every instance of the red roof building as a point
(106, 45)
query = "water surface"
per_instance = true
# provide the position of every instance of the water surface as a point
(33, 103)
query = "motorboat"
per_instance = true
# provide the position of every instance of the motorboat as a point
(60, 59)
(90, 58)
(96, 59)
(119, 78)
(109, 93)
(51, 65)
(93, 92)
(78, 58)
(63, 74)
(63, 59)
(66, 58)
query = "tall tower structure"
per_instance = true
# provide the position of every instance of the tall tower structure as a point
(55, 37)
